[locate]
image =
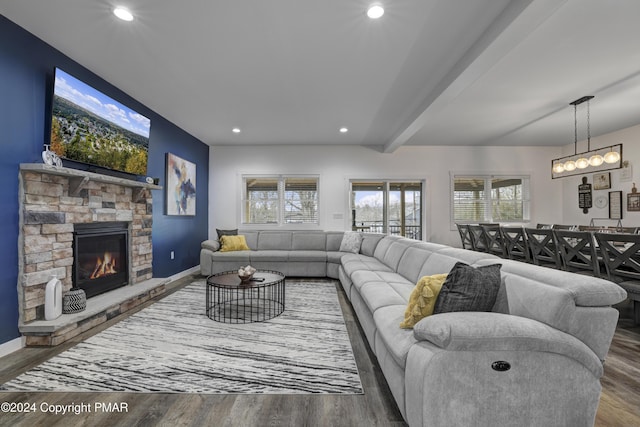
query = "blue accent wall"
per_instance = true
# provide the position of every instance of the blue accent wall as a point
(26, 78)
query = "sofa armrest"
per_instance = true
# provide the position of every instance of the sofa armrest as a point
(212, 245)
(479, 331)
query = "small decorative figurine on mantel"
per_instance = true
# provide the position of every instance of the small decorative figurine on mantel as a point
(634, 189)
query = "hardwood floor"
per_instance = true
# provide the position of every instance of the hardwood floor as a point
(619, 403)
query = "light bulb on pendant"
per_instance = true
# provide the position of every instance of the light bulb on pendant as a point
(123, 14)
(569, 165)
(612, 156)
(582, 163)
(596, 160)
(375, 11)
(558, 167)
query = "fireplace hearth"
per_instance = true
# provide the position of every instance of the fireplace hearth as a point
(101, 259)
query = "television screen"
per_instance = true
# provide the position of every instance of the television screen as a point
(91, 128)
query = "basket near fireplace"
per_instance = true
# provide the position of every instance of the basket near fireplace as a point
(74, 301)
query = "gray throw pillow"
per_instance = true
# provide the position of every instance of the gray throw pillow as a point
(469, 289)
(226, 232)
(351, 242)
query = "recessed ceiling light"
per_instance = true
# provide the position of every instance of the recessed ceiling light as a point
(123, 13)
(235, 130)
(375, 11)
(344, 130)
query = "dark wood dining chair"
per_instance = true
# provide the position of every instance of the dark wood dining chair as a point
(493, 239)
(515, 242)
(465, 236)
(562, 227)
(578, 252)
(625, 230)
(621, 256)
(478, 239)
(542, 247)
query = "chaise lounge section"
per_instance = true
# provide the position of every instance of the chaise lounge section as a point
(535, 359)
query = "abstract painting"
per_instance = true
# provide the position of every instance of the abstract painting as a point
(181, 186)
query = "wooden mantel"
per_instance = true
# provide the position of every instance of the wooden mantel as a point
(78, 179)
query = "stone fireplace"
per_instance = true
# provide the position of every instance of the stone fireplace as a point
(63, 211)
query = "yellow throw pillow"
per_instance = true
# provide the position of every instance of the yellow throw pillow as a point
(423, 299)
(233, 243)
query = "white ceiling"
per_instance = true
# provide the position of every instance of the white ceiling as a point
(429, 72)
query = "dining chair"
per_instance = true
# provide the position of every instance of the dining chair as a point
(626, 230)
(494, 240)
(578, 252)
(478, 238)
(515, 242)
(465, 236)
(621, 256)
(542, 246)
(563, 227)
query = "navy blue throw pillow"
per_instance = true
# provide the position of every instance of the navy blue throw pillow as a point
(469, 288)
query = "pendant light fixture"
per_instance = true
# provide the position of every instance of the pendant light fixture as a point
(590, 160)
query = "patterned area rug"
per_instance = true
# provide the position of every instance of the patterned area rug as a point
(173, 347)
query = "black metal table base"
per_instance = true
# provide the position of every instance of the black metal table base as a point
(245, 302)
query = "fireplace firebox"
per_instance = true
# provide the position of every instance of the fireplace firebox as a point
(101, 260)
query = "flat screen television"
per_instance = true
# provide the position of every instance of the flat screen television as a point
(93, 130)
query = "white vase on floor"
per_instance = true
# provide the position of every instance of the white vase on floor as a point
(53, 299)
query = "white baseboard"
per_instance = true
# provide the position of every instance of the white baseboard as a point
(185, 273)
(11, 346)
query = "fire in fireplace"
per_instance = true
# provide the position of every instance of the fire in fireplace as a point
(100, 257)
(105, 266)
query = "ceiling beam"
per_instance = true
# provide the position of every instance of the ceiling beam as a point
(515, 23)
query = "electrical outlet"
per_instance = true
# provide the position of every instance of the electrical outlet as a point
(173, 255)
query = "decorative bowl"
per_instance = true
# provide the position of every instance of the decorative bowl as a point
(245, 278)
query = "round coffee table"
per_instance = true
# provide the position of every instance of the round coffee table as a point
(230, 300)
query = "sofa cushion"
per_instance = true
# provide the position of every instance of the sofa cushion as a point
(370, 242)
(242, 257)
(309, 256)
(233, 243)
(251, 236)
(308, 241)
(397, 341)
(355, 262)
(422, 299)
(351, 242)
(274, 240)
(395, 252)
(383, 246)
(469, 288)
(334, 256)
(415, 257)
(261, 256)
(380, 294)
(334, 238)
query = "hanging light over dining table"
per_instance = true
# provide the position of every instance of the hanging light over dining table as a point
(591, 160)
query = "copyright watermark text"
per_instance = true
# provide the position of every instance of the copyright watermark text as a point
(64, 409)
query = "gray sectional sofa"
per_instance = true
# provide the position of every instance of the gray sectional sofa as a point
(535, 360)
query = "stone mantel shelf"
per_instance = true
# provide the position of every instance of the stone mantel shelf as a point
(78, 179)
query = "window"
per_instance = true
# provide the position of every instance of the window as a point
(387, 207)
(280, 200)
(490, 198)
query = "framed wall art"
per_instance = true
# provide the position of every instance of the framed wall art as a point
(601, 181)
(180, 197)
(615, 204)
(633, 202)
